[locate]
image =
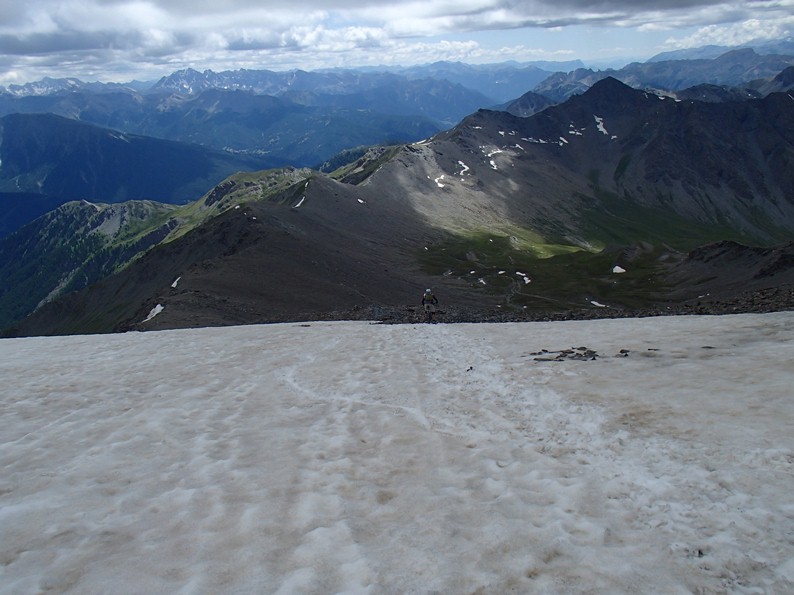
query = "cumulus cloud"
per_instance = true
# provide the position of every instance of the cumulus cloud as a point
(143, 36)
(736, 34)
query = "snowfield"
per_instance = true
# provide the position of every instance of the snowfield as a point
(348, 457)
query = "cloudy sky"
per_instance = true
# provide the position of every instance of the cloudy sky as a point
(122, 40)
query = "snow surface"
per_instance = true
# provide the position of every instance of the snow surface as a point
(348, 457)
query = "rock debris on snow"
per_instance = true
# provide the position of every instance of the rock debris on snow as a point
(574, 353)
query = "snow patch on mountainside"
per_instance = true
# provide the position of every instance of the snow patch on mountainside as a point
(153, 312)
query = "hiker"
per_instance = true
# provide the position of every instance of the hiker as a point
(429, 302)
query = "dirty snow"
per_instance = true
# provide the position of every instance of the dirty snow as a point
(348, 457)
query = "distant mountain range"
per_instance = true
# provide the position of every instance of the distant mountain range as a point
(498, 82)
(589, 204)
(306, 118)
(781, 47)
(743, 68)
